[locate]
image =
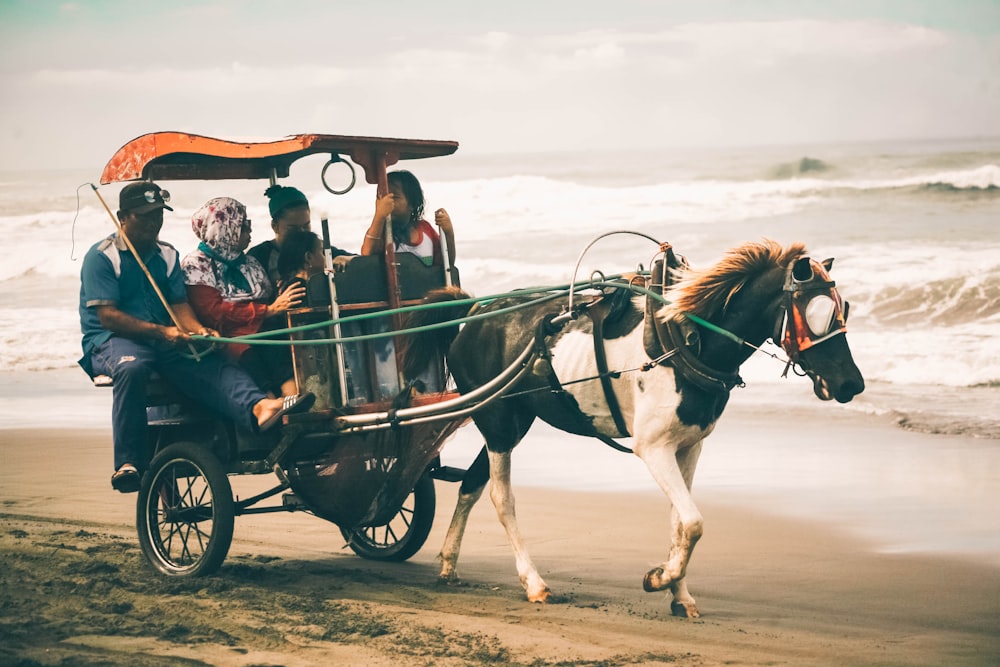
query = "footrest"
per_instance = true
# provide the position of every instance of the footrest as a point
(448, 473)
(291, 502)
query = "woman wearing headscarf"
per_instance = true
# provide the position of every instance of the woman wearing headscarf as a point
(232, 293)
(289, 211)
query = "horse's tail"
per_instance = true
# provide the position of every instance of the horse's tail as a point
(419, 348)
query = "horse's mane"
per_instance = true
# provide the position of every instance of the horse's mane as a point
(708, 291)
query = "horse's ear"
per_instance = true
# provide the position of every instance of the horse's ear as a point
(828, 263)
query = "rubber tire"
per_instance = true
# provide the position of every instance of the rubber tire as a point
(204, 485)
(420, 505)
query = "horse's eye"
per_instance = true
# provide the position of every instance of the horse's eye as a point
(819, 314)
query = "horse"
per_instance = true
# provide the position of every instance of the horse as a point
(669, 385)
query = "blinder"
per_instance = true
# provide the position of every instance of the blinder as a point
(813, 310)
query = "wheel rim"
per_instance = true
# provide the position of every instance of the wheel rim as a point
(181, 515)
(389, 535)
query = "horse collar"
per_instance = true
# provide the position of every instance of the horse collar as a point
(679, 344)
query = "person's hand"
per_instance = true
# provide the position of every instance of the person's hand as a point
(208, 332)
(290, 298)
(340, 263)
(384, 206)
(442, 219)
(175, 336)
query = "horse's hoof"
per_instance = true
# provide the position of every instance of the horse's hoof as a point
(654, 581)
(542, 597)
(449, 580)
(682, 610)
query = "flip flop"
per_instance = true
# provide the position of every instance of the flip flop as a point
(290, 405)
(126, 479)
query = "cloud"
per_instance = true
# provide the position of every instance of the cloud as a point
(708, 83)
(235, 77)
(788, 39)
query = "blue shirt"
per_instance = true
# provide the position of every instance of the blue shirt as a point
(111, 276)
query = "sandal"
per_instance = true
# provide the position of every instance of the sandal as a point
(126, 479)
(289, 405)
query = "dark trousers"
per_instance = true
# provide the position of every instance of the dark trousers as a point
(213, 382)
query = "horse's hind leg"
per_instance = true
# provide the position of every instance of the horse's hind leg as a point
(674, 473)
(471, 490)
(503, 499)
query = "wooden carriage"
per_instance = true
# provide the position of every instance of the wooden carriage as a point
(365, 456)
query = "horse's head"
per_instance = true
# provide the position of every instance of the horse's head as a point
(811, 327)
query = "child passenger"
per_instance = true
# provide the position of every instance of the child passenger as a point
(301, 258)
(404, 202)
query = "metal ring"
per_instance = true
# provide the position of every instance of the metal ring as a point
(596, 276)
(334, 159)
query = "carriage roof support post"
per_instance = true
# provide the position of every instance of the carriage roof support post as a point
(379, 159)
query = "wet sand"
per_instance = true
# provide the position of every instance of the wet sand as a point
(773, 590)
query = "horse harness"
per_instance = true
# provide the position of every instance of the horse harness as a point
(677, 344)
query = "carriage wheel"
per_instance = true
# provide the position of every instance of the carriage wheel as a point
(405, 533)
(185, 511)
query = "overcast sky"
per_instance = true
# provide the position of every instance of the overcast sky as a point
(79, 79)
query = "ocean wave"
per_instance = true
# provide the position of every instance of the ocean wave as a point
(950, 189)
(947, 301)
(806, 165)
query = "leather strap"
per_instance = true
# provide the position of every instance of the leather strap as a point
(597, 316)
(544, 330)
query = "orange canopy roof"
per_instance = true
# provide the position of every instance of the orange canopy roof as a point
(181, 156)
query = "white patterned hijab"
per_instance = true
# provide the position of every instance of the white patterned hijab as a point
(218, 262)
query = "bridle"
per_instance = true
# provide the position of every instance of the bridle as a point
(812, 309)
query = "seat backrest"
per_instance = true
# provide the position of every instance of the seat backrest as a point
(363, 281)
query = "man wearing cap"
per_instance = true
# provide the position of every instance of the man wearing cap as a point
(289, 210)
(129, 333)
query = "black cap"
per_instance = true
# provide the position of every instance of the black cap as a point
(142, 197)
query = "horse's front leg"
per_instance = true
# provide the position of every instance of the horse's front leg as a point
(674, 471)
(503, 500)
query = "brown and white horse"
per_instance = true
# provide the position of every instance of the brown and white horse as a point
(668, 402)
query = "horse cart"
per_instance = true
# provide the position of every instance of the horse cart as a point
(366, 455)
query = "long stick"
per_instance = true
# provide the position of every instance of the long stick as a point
(145, 270)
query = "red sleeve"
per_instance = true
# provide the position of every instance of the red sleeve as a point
(228, 317)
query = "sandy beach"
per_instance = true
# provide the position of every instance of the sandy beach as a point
(773, 590)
